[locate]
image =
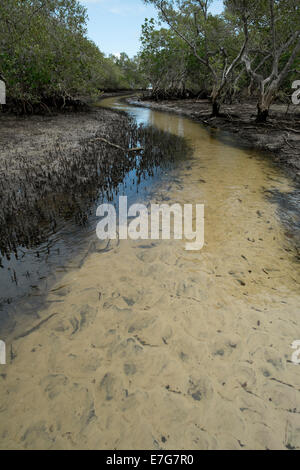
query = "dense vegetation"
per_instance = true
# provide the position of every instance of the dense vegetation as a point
(252, 49)
(47, 60)
(253, 46)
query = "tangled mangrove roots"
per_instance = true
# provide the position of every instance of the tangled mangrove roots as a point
(45, 105)
(38, 195)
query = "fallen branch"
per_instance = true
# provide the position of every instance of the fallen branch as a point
(135, 149)
(287, 142)
(296, 131)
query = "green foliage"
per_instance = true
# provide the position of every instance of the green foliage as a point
(254, 45)
(131, 71)
(263, 45)
(212, 40)
(45, 56)
(168, 62)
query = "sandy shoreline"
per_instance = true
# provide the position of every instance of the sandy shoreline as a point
(280, 137)
(151, 347)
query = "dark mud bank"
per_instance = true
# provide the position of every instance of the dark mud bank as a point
(55, 171)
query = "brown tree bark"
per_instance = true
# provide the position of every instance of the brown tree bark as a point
(220, 82)
(269, 86)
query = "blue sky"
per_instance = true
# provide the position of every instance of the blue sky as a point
(115, 25)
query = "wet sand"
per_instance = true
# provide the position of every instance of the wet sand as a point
(153, 347)
(279, 137)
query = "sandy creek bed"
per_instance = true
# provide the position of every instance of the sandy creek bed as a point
(153, 347)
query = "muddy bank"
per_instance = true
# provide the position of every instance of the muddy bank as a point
(40, 201)
(31, 135)
(56, 168)
(46, 164)
(115, 94)
(280, 136)
(55, 171)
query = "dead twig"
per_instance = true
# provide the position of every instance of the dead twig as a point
(292, 130)
(287, 142)
(135, 149)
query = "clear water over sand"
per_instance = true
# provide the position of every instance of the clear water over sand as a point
(147, 346)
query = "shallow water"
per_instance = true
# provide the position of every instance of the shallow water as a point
(49, 201)
(149, 346)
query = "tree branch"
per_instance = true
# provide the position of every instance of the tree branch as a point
(187, 41)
